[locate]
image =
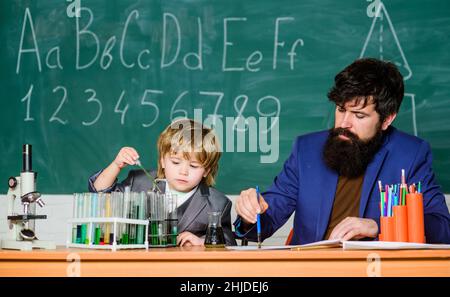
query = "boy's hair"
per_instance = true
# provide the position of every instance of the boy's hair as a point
(373, 81)
(187, 136)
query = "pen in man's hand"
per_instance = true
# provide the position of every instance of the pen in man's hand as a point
(258, 221)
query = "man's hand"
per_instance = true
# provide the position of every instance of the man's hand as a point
(247, 206)
(186, 238)
(354, 228)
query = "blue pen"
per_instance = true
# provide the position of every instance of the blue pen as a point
(258, 221)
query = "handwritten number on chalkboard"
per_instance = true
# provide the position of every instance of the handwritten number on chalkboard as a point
(64, 99)
(122, 111)
(240, 112)
(27, 98)
(275, 114)
(219, 96)
(182, 111)
(100, 107)
(143, 102)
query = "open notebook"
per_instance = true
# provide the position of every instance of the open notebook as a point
(347, 245)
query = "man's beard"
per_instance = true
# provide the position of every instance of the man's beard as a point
(351, 157)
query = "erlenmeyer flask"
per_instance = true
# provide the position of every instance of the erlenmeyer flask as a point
(214, 234)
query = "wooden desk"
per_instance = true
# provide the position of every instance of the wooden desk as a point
(198, 261)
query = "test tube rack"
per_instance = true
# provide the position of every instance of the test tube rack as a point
(117, 220)
(116, 223)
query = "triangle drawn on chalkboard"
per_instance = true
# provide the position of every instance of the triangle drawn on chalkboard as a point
(378, 19)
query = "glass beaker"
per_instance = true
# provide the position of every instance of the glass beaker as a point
(214, 233)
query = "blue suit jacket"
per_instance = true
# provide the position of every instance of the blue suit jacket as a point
(307, 186)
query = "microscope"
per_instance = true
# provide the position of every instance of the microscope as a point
(21, 226)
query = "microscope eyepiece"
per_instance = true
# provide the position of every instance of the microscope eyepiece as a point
(26, 158)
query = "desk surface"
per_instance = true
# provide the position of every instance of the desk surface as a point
(199, 261)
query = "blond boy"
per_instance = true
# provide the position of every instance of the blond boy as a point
(188, 161)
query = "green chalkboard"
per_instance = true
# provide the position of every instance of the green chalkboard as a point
(80, 88)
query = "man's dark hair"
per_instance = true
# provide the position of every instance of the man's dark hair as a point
(369, 77)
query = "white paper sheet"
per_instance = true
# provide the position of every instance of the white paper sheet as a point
(389, 245)
(347, 245)
(323, 243)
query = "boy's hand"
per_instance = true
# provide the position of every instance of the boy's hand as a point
(126, 156)
(186, 238)
(247, 205)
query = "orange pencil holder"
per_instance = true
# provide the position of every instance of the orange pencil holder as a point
(416, 230)
(401, 222)
(387, 226)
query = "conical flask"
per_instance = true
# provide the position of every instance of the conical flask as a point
(214, 234)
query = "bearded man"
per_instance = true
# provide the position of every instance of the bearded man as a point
(331, 177)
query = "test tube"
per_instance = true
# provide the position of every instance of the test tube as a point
(74, 205)
(115, 214)
(115, 209)
(137, 206)
(141, 216)
(101, 205)
(86, 203)
(107, 215)
(132, 210)
(101, 199)
(152, 216)
(155, 218)
(74, 215)
(93, 214)
(148, 215)
(172, 218)
(102, 215)
(100, 210)
(113, 204)
(161, 212)
(80, 201)
(121, 202)
(126, 209)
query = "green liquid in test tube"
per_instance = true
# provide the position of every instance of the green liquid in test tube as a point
(74, 215)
